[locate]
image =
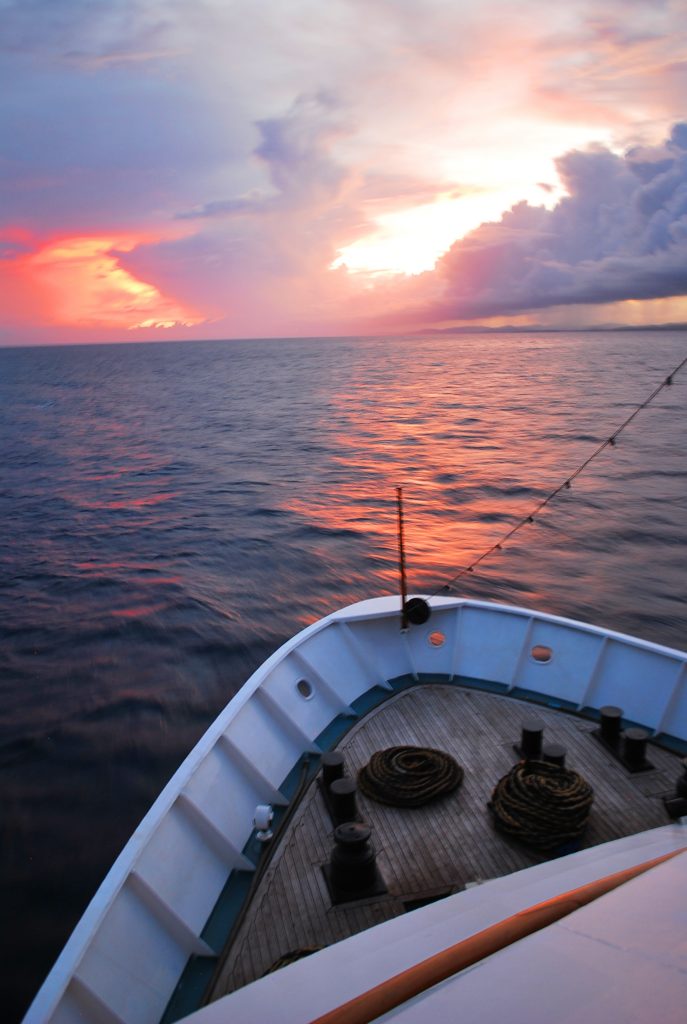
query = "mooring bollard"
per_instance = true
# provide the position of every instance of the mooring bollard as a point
(531, 739)
(611, 718)
(343, 802)
(332, 767)
(352, 866)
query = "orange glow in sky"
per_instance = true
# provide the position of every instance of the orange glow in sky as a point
(410, 239)
(345, 196)
(87, 286)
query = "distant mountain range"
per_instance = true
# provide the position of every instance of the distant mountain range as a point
(515, 329)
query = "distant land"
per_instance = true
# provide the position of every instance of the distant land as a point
(436, 331)
(516, 329)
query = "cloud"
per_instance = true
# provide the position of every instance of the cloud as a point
(79, 30)
(272, 246)
(254, 201)
(106, 123)
(283, 134)
(80, 282)
(14, 245)
(619, 234)
(295, 151)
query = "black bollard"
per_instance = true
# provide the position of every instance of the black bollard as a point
(681, 784)
(676, 805)
(352, 868)
(342, 799)
(610, 724)
(634, 749)
(531, 739)
(554, 754)
(332, 767)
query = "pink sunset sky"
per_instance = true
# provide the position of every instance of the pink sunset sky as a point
(243, 168)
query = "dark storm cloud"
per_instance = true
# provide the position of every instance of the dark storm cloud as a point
(621, 233)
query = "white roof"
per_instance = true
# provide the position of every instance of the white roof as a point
(634, 937)
(622, 958)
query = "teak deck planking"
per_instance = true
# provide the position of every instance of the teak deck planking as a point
(437, 849)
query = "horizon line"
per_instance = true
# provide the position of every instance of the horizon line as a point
(461, 330)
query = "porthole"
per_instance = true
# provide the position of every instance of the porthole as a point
(541, 653)
(437, 638)
(305, 689)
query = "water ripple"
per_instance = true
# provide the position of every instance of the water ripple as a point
(173, 512)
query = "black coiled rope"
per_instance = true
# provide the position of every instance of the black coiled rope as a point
(541, 804)
(409, 776)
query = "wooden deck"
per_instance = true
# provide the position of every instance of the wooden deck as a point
(424, 852)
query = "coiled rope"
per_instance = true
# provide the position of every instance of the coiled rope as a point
(409, 776)
(541, 804)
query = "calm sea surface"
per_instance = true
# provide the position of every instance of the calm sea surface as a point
(171, 513)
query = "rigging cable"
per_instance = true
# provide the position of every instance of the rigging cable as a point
(566, 485)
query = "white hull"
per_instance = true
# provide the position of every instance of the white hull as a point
(125, 957)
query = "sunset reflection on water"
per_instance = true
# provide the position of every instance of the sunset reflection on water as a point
(173, 513)
(465, 455)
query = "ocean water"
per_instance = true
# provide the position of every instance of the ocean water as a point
(171, 513)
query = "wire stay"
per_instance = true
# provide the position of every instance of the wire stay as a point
(566, 485)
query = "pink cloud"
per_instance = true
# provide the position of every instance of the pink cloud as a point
(619, 234)
(276, 139)
(79, 283)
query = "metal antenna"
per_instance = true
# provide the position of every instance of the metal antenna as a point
(402, 559)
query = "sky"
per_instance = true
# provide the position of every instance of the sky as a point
(260, 168)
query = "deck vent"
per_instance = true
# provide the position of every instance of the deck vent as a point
(437, 638)
(305, 689)
(541, 654)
